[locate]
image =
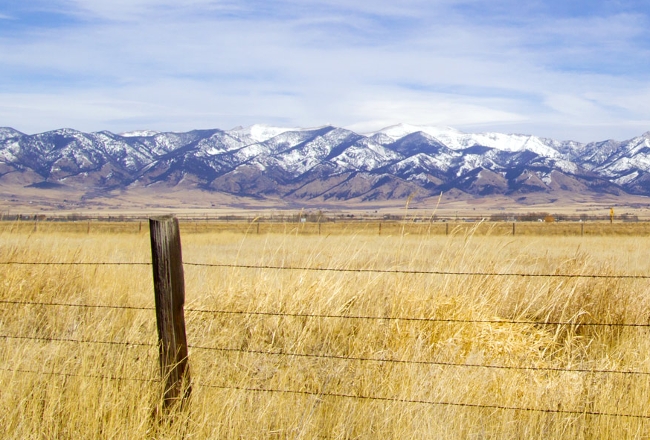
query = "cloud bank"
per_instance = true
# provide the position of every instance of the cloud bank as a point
(577, 71)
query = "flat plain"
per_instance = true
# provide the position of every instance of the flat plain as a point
(422, 330)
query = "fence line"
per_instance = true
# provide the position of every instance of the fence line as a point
(87, 376)
(424, 402)
(411, 362)
(421, 272)
(79, 341)
(335, 269)
(70, 263)
(337, 395)
(54, 304)
(396, 318)
(336, 357)
(329, 316)
(333, 316)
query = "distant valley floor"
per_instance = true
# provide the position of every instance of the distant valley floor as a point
(17, 199)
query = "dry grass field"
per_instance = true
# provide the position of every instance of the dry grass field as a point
(479, 362)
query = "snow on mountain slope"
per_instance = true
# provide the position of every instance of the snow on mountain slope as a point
(260, 132)
(421, 162)
(362, 156)
(8, 133)
(262, 160)
(140, 133)
(132, 155)
(632, 155)
(398, 131)
(458, 140)
(260, 151)
(298, 152)
(219, 143)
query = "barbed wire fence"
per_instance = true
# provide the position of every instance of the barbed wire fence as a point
(309, 224)
(165, 373)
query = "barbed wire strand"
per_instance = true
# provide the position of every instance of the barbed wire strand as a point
(80, 341)
(411, 362)
(338, 395)
(87, 376)
(70, 263)
(338, 357)
(57, 304)
(331, 269)
(341, 395)
(316, 315)
(424, 402)
(419, 272)
(396, 318)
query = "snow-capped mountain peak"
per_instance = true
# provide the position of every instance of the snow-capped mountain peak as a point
(260, 132)
(398, 131)
(140, 133)
(326, 162)
(457, 140)
(6, 133)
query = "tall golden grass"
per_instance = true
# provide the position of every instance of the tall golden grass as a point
(65, 389)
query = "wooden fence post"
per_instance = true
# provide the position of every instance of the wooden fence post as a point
(582, 229)
(169, 288)
(514, 228)
(446, 228)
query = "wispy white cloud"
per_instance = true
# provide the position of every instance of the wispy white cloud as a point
(168, 65)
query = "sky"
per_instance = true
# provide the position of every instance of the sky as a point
(568, 69)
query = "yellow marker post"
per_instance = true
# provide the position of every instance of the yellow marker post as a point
(611, 215)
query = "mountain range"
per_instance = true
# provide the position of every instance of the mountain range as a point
(323, 164)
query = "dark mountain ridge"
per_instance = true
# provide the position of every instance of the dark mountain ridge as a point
(326, 163)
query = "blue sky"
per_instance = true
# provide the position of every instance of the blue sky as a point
(565, 69)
